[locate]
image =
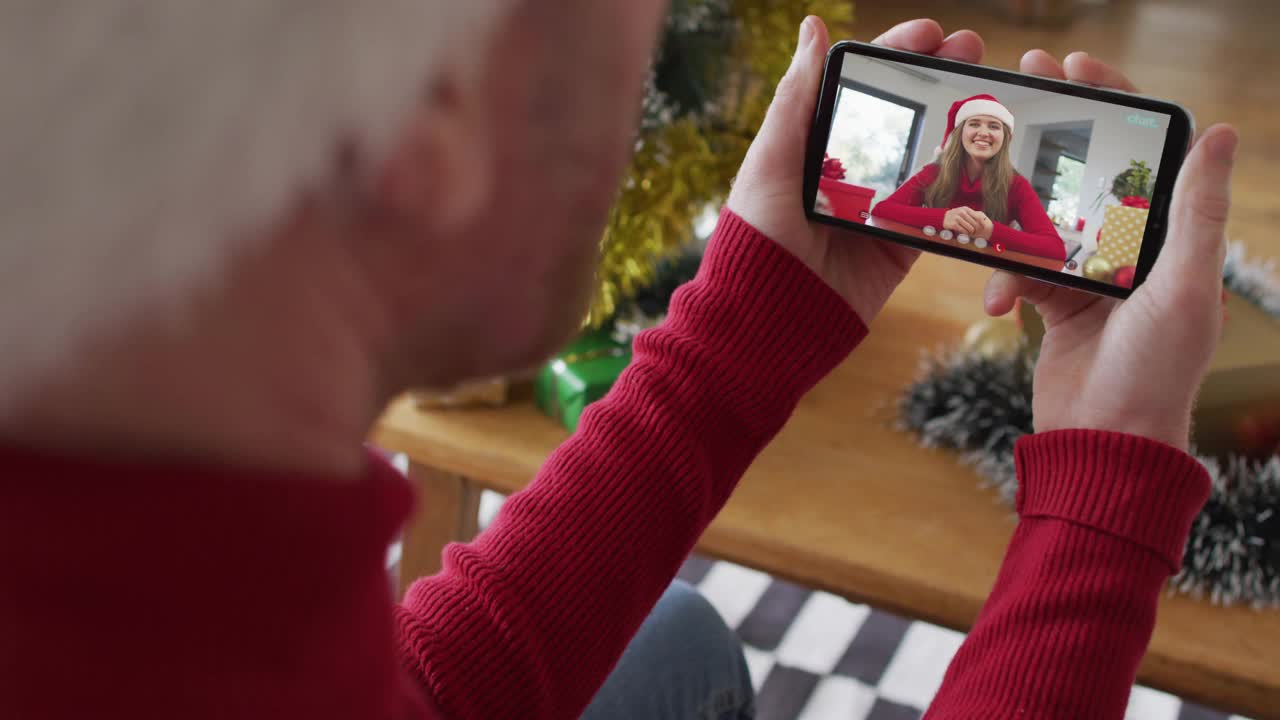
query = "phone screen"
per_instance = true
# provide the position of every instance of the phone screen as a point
(1030, 176)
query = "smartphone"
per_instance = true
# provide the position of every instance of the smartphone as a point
(1060, 181)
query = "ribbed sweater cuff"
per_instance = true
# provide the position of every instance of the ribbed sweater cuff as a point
(758, 303)
(1129, 486)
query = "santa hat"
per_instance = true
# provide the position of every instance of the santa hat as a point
(962, 110)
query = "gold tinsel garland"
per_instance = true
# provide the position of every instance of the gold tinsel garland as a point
(682, 168)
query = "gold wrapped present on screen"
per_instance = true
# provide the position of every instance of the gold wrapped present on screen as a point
(1121, 239)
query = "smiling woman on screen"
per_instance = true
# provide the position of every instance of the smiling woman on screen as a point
(973, 188)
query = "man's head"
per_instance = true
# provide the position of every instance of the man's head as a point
(513, 173)
(461, 154)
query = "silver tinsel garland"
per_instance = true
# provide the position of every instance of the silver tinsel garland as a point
(1233, 555)
(686, 18)
(1256, 281)
(979, 406)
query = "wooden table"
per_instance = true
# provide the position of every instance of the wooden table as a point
(843, 502)
(971, 247)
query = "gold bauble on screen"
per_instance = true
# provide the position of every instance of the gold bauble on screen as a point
(1099, 268)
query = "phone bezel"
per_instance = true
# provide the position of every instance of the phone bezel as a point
(1177, 143)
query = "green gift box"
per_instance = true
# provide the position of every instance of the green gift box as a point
(581, 374)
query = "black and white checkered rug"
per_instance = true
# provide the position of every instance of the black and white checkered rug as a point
(817, 656)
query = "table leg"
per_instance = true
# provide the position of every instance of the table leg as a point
(448, 511)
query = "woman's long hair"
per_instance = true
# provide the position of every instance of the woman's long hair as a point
(997, 177)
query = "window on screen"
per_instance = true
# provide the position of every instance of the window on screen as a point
(1065, 205)
(874, 134)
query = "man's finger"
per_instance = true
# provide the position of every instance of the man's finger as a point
(1054, 303)
(963, 45)
(1194, 248)
(779, 148)
(1081, 67)
(921, 36)
(926, 36)
(1039, 62)
(1004, 289)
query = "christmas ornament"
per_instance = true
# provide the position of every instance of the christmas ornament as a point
(1124, 276)
(1098, 268)
(992, 337)
(705, 98)
(1238, 407)
(1258, 433)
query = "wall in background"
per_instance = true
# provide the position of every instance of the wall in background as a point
(1113, 143)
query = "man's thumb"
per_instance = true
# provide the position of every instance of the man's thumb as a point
(786, 127)
(1195, 246)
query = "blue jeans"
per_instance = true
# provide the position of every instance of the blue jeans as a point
(683, 664)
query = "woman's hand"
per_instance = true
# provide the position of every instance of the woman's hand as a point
(988, 227)
(974, 223)
(960, 220)
(768, 189)
(1134, 366)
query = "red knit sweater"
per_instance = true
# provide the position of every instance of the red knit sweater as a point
(131, 590)
(1037, 236)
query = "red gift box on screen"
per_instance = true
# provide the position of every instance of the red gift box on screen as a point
(848, 202)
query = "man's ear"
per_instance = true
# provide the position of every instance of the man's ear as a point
(439, 170)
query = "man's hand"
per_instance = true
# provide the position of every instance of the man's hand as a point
(1134, 366)
(767, 192)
